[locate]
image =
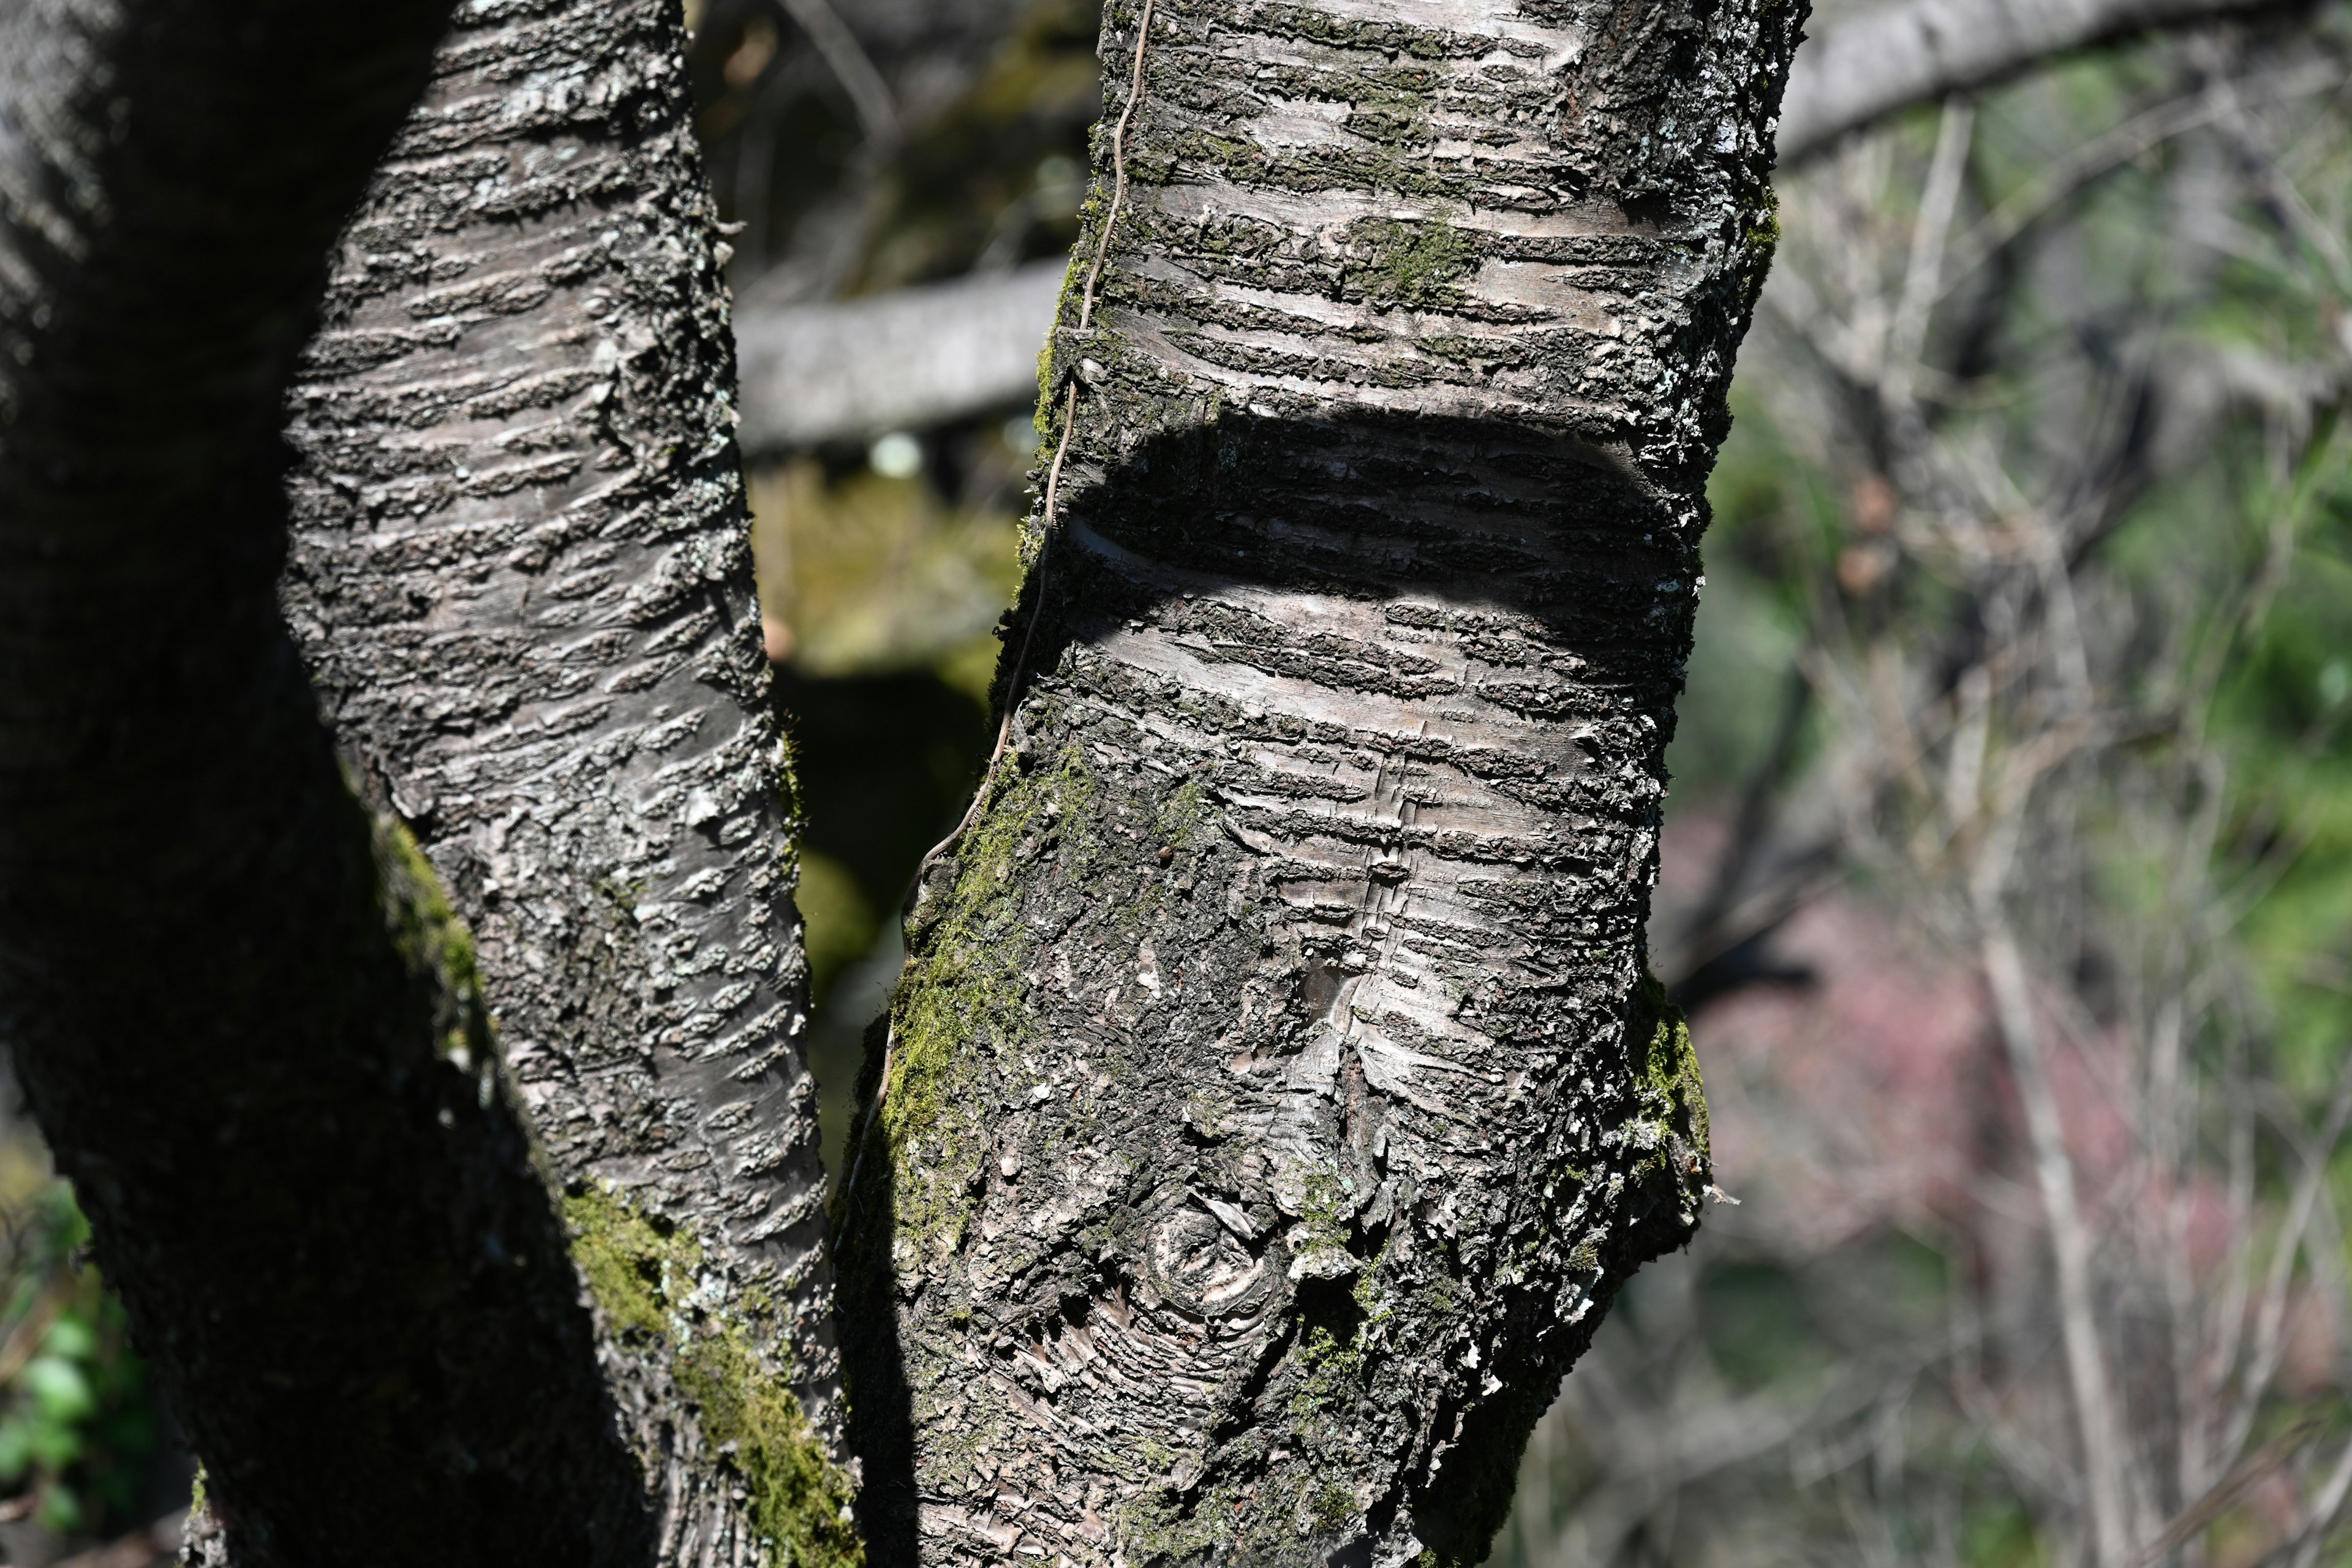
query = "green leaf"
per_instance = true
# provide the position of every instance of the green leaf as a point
(15, 1450)
(55, 1444)
(60, 1510)
(71, 1338)
(59, 1390)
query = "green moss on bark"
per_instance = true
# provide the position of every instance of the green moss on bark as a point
(634, 1267)
(432, 939)
(799, 1499)
(963, 997)
(647, 1276)
(1399, 263)
(1666, 1064)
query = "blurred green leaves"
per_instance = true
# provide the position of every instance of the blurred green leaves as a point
(77, 1425)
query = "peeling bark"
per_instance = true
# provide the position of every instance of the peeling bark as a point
(522, 580)
(1276, 1097)
(243, 1017)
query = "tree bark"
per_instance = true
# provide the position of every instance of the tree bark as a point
(245, 1022)
(521, 579)
(1276, 1097)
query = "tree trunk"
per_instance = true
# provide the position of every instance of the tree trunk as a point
(1277, 1096)
(246, 1022)
(521, 579)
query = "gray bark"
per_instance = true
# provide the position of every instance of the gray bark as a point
(1276, 1098)
(242, 1016)
(520, 578)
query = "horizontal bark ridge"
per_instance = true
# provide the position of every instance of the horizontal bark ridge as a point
(520, 577)
(1276, 1094)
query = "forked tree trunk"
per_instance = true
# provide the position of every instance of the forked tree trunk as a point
(1277, 1097)
(521, 577)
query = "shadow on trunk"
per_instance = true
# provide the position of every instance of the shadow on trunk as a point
(1277, 1097)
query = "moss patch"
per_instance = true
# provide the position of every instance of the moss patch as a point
(431, 939)
(644, 1274)
(1666, 1130)
(634, 1267)
(964, 992)
(799, 1499)
(1763, 240)
(1665, 1063)
(1400, 263)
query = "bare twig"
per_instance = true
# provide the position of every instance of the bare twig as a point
(851, 66)
(2099, 1430)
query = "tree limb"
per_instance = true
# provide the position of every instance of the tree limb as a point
(520, 577)
(901, 361)
(245, 1022)
(1275, 1097)
(1860, 72)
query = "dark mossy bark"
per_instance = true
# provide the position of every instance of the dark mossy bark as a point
(242, 1015)
(521, 577)
(1276, 1098)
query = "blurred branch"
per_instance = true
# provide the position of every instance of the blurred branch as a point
(1908, 333)
(2269, 1346)
(2327, 1507)
(851, 66)
(2273, 1455)
(1701, 940)
(1855, 74)
(917, 357)
(2070, 1243)
(2127, 143)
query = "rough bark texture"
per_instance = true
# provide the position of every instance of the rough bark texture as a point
(520, 577)
(245, 1020)
(1277, 1097)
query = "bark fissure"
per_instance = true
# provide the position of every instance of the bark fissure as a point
(1276, 1094)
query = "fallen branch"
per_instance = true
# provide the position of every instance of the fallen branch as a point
(902, 361)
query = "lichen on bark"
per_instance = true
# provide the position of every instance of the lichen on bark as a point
(1240, 1194)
